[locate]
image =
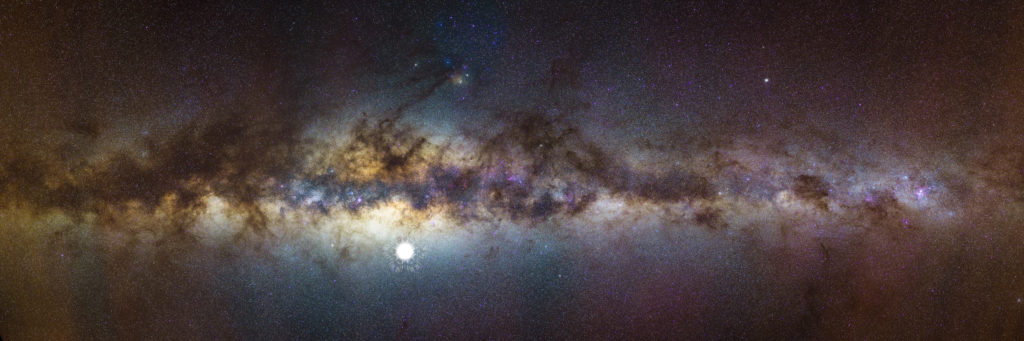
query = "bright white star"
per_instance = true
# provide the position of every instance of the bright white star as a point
(405, 251)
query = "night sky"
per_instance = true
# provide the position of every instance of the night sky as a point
(523, 170)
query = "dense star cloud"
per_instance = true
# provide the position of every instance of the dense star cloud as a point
(526, 170)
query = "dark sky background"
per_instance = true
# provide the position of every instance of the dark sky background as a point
(681, 170)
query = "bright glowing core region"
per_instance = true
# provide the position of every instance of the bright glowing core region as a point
(405, 251)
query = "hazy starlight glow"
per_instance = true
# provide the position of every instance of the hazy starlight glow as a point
(566, 170)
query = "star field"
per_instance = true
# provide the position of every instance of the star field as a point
(511, 170)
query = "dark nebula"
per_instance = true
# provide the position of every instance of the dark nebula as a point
(526, 170)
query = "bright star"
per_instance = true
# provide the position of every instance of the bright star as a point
(405, 251)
